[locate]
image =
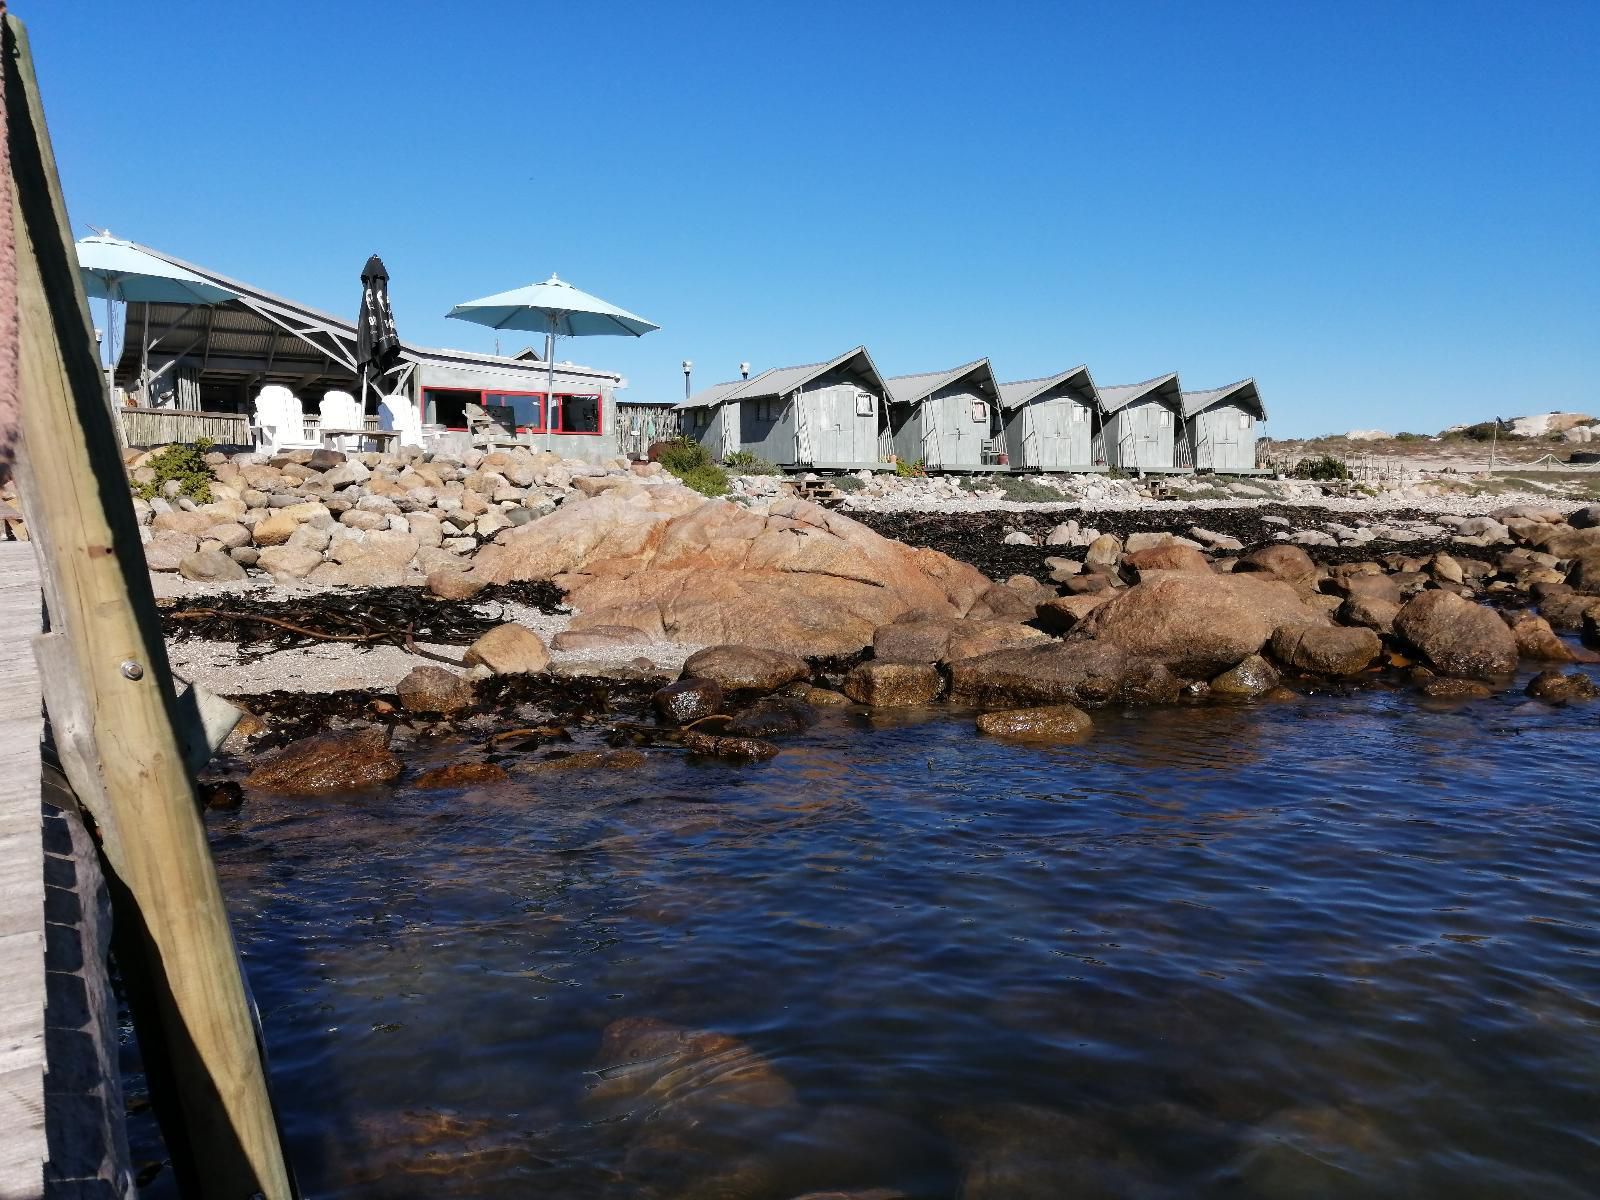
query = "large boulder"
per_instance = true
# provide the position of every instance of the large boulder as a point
(1198, 625)
(431, 689)
(1280, 561)
(1253, 677)
(329, 762)
(947, 639)
(1536, 638)
(745, 668)
(210, 566)
(679, 567)
(1456, 636)
(1168, 556)
(1050, 723)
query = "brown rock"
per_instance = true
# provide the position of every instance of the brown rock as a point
(433, 689)
(1289, 563)
(598, 639)
(274, 530)
(1536, 639)
(912, 641)
(1556, 688)
(1445, 687)
(1368, 587)
(460, 775)
(288, 562)
(744, 749)
(1078, 672)
(1371, 612)
(825, 698)
(970, 638)
(1065, 612)
(1051, 723)
(1171, 556)
(329, 762)
(1253, 677)
(1456, 636)
(668, 1072)
(1325, 649)
(1104, 551)
(210, 566)
(688, 700)
(509, 649)
(893, 685)
(1584, 573)
(1002, 602)
(745, 668)
(454, 585)
(772, 716)
(168, 550)
(1197, 625)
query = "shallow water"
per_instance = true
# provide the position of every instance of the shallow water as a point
(1338, 946)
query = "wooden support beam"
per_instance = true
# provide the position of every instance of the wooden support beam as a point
(109, 692)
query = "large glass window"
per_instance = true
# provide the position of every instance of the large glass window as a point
(577, 414)
(528, 408)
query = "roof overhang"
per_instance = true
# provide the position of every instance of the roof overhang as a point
(781, 381)
(914, 389)
(1163, 388)
(1075, 382)
(1243, 394)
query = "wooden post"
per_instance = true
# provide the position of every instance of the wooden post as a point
(112, 705)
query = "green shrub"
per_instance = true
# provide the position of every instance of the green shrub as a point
(683, 454)
(910, 470)
(1483, 431)
(187, 465)
(742, 462)
(1410, 437)
(708, 480)
(1324, 468)
(847, 483)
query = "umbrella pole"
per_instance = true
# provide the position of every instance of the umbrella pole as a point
(550, 381)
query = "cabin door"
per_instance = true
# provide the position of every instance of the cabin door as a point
(1154, 430)
(835, 421)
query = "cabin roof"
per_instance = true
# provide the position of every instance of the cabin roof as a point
(780, 381)
(1021, 391)
(913, 389)
(1164, 387)
(1244, 394)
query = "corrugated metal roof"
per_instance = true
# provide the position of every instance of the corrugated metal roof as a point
(1021, 391)
(1121, 395)
(780, 381)
(1244, 393)
(910, 389)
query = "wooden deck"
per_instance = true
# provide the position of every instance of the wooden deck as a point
(22, 968)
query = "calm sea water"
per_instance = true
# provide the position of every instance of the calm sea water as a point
(1335, 946)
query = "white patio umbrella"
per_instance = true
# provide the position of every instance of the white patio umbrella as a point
(557, 309)
(116, 269)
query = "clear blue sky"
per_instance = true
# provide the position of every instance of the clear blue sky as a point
(1388, 213)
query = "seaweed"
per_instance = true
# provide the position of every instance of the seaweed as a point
(395, 616)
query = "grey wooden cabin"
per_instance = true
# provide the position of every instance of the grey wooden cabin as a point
(1221, 424)
(946, 420)
(1142, 426)
(825, 415)
(1050, 423)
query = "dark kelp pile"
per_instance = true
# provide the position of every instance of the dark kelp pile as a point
(395, 616)
(977, 537)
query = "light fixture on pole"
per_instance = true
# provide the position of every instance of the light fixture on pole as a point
(687, 368)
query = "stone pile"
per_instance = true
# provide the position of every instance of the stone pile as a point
(359, 519)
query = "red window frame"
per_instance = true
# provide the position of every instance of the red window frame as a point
(543, 409)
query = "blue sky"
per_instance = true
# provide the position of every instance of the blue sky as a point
(1389, 214)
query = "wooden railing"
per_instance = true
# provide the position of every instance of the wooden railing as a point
(159, 426)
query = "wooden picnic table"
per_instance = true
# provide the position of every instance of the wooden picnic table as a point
(378, 435)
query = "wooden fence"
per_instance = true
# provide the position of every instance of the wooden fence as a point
(159, 426)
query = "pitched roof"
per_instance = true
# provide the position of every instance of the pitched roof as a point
(1165, 387)
(1077, 380)
(780, 381)
(911, 389)
(1244, 394)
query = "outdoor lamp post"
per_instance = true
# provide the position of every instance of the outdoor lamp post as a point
(687, 368)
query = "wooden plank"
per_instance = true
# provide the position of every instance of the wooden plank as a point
(118, 741)
(23, 1145)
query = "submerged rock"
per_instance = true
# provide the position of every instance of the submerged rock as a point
(743, 749)
(1456, 636)
(893, 685)
(460, 775)
(328, 762)
(1557, 688)
(1052, 723)
(772, 717)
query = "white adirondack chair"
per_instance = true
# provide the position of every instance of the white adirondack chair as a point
(397, 413)
(340, 410)
(280, 421)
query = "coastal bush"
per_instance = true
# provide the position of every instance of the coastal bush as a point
(910, 470)
(847, 483)
(187, 465)
(1410, 437)
(1324, 468)
(1483, 431)
(1024, 490)
(684, 454)
(742, 462)
(709, 480)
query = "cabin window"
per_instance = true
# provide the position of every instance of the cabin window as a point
(864, 407)
(1077, 415)
(1165, 419)
(1244, 420)
(764, 410)
(980, 411)
(577, 414)
(527, 408)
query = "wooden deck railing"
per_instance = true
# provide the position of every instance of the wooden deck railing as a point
(159, 426)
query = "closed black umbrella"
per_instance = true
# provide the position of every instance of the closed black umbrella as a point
(377, 342)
